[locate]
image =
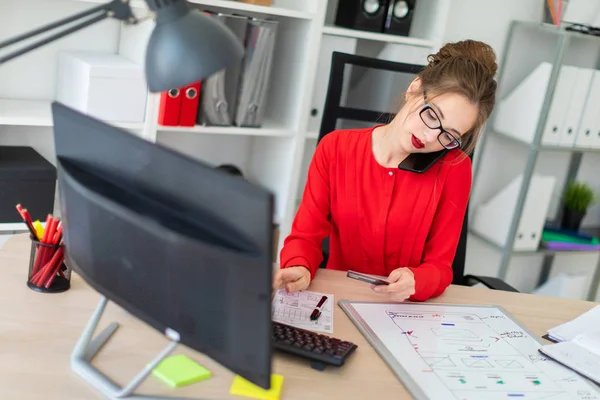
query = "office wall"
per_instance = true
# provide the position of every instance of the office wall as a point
(489, 22)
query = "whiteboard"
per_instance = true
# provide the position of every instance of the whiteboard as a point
(445, 352)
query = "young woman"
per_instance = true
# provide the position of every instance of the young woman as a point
(386, 221)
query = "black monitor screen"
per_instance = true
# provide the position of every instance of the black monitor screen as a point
(177, 243)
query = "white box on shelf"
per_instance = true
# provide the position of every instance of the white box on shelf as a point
(492, 219)
(106, 86)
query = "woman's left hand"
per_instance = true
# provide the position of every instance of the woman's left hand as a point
(401, 287)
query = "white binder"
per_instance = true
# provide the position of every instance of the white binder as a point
(576, 106)
(563, 93)
(590, 120)
(518, 113)
(492, 220)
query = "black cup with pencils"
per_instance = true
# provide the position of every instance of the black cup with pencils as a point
(48, 272)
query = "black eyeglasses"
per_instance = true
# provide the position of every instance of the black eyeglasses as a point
(432, 121)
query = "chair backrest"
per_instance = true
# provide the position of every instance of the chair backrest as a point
(334, 111)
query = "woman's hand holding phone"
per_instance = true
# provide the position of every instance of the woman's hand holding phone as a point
(401, 285)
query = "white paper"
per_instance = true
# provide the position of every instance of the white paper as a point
(295, 308)
(589, 341)
(468, 353)
(585, 322)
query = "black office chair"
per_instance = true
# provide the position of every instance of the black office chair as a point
(334, 111)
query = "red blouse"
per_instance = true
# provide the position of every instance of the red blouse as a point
(377, 218)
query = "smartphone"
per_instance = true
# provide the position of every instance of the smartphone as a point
(421, 162)
(373, 279)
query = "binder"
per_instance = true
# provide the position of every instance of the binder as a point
(563, 92)
(492, 220)
(190, 95)
(256, 70)
(170, 107)
(576, 106)
(590, 120)
(220, 90)
(519, 112)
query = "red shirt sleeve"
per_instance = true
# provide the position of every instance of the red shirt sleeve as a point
(434, 274)
(312, 223)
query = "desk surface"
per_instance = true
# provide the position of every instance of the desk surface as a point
(39, 332)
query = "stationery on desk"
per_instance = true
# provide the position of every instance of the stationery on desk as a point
(577, 344)
(49, 255)
(304, 309)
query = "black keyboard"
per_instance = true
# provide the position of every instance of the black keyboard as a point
(311, 345)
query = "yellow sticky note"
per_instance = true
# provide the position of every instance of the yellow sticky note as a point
(242, 387)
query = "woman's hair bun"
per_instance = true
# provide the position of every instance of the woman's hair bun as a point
(472, 50)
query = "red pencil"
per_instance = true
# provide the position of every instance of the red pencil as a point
(26, 219)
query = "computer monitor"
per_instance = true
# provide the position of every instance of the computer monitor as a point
(183, 246)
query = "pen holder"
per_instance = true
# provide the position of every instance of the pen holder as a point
(48, 272)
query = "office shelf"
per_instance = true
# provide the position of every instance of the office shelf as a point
(252, 8)
(540, 251)
(529, 46)
(546, 147)
(378, 37)
(233, 6)
(38, 113)
(268, 128)
(312, 135)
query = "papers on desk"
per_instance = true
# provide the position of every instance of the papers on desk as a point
(578, 344)
(295, 309)
(569, 330)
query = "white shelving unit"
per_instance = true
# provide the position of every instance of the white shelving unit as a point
(275, 155)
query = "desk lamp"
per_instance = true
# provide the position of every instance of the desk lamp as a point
(202, 44)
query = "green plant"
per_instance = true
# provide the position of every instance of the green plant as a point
(579, 196)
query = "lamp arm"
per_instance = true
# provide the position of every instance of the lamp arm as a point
(118, 9)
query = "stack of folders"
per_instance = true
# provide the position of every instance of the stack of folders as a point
(573, 119)
(237, 95)
(577, 344)
(559, 239)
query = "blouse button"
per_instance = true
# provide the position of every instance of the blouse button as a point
(391, 173)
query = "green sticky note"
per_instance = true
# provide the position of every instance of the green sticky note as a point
(180, 370)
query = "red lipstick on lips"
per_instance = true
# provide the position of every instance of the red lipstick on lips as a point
(416, 142)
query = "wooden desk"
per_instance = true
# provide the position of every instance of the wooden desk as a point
(39, 331)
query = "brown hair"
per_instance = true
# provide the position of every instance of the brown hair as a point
(467, 68)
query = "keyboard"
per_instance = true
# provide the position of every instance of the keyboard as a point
(320, 349)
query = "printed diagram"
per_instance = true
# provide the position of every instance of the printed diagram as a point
(439, 362)
(476, 363)
(295, 309)
(509, 364)
(455, 334)
(479, 358)
(290, 299)
(291, 314)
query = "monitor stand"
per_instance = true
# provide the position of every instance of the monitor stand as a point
(87, 348)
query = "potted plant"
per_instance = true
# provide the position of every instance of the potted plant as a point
(579, 197)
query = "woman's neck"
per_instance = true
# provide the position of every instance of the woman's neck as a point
(384, 150)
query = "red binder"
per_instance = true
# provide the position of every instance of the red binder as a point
(170, 107)
(189, 104)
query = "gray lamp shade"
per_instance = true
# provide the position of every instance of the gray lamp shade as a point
(187, 46)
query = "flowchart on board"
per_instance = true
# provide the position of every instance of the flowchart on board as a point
(466, 353)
